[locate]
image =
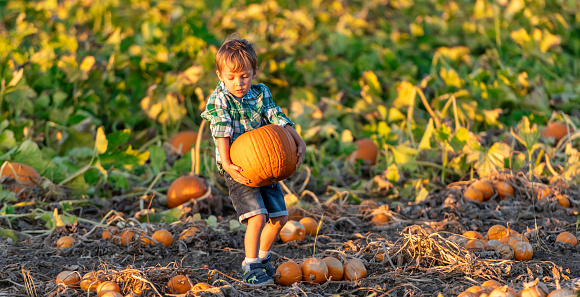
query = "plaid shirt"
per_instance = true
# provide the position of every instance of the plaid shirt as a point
(231, 118)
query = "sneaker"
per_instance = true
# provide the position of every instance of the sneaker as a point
(255, 276)
(268, 267)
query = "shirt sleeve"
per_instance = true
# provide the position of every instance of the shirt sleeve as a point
(216, 112)
(272, 112)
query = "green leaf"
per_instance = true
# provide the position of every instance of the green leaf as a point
(8, 233)
(459, 139)
(172, 215)
(7, 139)
(101, 142)
(443, 133)
(489, 161)
(527, 135)
(211, 221)
(158, 157)
(6, 208)
(118, 138)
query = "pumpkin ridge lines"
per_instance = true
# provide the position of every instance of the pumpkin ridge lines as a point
(269, 139)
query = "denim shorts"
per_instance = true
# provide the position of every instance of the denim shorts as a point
(252, 201)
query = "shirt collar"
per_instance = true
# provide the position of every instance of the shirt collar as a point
(249, 95)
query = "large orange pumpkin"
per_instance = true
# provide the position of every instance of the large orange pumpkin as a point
(182, 142)
(290, 273)
(314, 271)
(335, 268)
(185, 188)
(25, 176)
(354, 269)
(367, 150)
(267, 155)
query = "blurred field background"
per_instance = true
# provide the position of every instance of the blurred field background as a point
(437, 85)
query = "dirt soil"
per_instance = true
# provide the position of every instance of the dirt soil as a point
(423, 257)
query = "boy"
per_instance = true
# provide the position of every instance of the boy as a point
(235, 107)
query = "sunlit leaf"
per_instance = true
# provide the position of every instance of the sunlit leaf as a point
(520, 36)
(451, 77)
(101, 142)
(422, 195)
(16, 76)
(392, 173)
(549, 41)
(406, 95)
(426, 139)
(87, 63)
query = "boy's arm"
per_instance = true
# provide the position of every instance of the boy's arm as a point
(234, 170)
(271, 112)
(299, 143)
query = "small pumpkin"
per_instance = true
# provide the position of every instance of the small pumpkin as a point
(559, 292)
(473, 194)
(65, 241)
(25, 176)
(163, 236)
(310, 226)
(178, 284)
(366, 150)
(335, 268)
(468, 294)
(200, 287)
(474, 244)
(492, 244)
(485, 187)
(314, 271)
(379, 219)
(111, 294)
(126, 237)
(504, 291)
(543, 192)
(532, 291)
(288, 273)
(182, 142)
(70, 279)
(90, 282)
(184, 189)
(567, 237)
(504, 189)
(523, 250)
(354, 269)
(563, 201)
(291, 231)
(491, 284)
(110, 232)
(107, 286)
(189, 232)
(266, 155)
(496, 232)
(472, 235)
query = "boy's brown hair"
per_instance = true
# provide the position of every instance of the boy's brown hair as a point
(236, 53)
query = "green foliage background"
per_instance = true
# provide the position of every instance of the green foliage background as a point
(142, 69)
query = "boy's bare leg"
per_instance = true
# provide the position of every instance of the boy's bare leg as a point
(270, 232)
(252, 237)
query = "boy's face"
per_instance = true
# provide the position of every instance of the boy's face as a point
(237, 83)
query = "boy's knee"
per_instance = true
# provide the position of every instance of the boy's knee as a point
(258, 219)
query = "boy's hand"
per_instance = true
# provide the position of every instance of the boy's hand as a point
(234, 172)
(301, 151)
